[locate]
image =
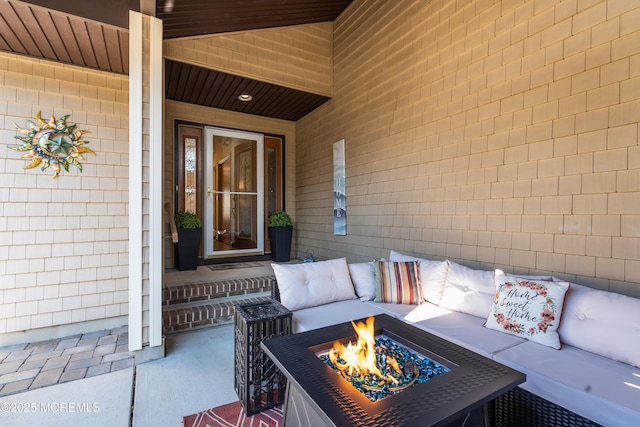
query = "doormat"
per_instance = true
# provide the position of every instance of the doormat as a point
(234, 265)
(233, 415)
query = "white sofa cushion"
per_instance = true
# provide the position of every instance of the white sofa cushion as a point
(528, 308)
(433, 275)
(364, 280)
(469, 291)
(315, 283)
(604, 323)
(310, 318)
(592, 386)
(462, 329)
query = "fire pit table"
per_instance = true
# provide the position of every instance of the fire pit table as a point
(454, 394)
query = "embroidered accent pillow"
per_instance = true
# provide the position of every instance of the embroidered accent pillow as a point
(528, 308)
(397, 282)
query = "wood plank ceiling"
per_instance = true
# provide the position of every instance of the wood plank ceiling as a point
(211, 88)
(84, 35)
(36, 31)
(182, 18)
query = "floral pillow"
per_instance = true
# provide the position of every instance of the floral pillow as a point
(397, 282)
(528, 308)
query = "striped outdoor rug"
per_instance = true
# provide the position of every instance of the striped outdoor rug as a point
(232, 415)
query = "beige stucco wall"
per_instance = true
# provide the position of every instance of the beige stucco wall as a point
(179, 111)
(63, 242)
(496, 134)
(298, 56)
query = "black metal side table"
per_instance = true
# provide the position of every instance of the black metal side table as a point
(258, 382)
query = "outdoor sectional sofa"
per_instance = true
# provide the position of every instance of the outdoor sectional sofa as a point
(594, 378)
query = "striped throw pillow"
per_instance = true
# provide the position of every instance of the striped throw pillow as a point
(397, 282)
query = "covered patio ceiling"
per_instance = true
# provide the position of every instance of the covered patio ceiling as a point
(211, 88)
(183, 18)
(58, 35)
(95, 34)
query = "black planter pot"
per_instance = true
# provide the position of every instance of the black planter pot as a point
(188, 248)
(280, 242)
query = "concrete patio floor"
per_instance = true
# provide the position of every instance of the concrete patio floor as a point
(195, 375)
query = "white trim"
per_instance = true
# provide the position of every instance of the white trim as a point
(135, 180)
(155, 183)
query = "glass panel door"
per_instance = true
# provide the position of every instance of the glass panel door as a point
(234, 208)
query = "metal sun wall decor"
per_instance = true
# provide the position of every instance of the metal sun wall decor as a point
(52, 143)
(339, 190)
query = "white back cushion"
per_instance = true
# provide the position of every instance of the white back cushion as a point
(433, 275)
(364, 280)
(603, 323)
(469, 291)
(314, 283)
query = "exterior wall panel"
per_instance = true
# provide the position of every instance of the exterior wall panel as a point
(63, 242)
(497, 134)
(298, 57)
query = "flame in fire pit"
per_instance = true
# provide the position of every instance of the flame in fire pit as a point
(359, 358)
(371, 361)
(378, 366)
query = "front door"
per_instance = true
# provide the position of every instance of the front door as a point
(234, 198)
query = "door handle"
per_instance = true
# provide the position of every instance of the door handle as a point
(209, 191)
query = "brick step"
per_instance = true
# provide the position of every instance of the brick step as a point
(211, 291)
(184, 317)
(203, 304)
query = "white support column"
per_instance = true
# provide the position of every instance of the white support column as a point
(135, 180)
(155, 181)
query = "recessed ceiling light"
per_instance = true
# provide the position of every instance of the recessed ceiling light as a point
(245, 97)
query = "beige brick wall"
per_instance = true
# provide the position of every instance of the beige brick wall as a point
(298, 56)
(179, 111)
(63, 242)
(496, 134)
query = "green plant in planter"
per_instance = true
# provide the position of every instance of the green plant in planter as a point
(279, 219)
(189, 234)
(280, 232)
(187, 220)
